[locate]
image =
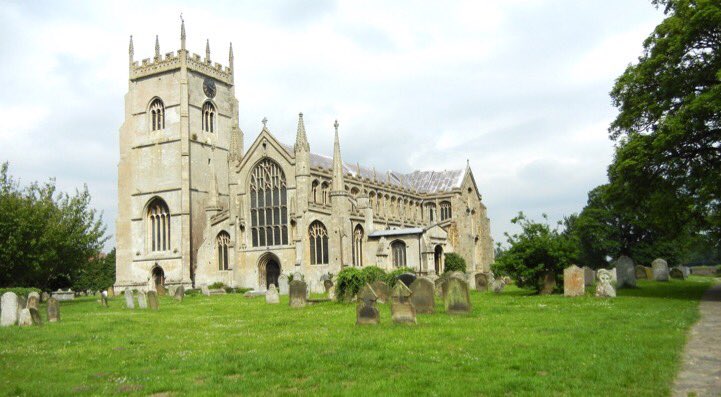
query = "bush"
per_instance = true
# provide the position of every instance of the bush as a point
(350, 281)
(392, 276)
(373, 273)
(454, 263)
(19, 291)
(217, 285)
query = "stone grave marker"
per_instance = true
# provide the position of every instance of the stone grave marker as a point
(129, 303)
(205, 290)
(298, 292)
(152, 297)
(402, 310)
(366, 311)
(381, 290)
(483, 281)
(423, 297)
(283, 287)
(686, 271)
(179, 293)
(327, 285)
(660, 269)
(574, 283)
(625, 272)
(35, 316)
(407, 278)
(498, 285)
(111, 292)
(677, 273)
(8, 309)
(640, 272)
(455, 296)
(44, 297)
(548, 283)
(53, 310)
(649, 272)
(24, 318)
(604, 288)
(104, 299)
(161, 290)
(33, 300)
(271, 295)
(142, 300)
(589, 276)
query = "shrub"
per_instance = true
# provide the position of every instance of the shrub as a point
(19, 291)
(217, 285)
(350, 281)
(391, 277)
(454, 263)
(373, 273)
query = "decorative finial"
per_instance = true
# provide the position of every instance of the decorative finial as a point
(131, 49)
(157, 48)
(182, 32)
(207, 50)
(375, 177)
(230, 54)
(468, 163)
(264, 121)
(336, 126)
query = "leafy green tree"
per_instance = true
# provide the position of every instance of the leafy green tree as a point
(454, 263)
(537, 250)
(98, 274)
(46, 237)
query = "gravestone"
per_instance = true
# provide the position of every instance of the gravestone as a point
(407, 278)
(44, 297)
(660, 269)
(35, 316)
(111, 292)
(24, 318)
(160, 289)
(327, 285)
(8, 309)
(402, 310)
(677, 273)
(686, 271)
(142, 300)
(614, 279)
(53, 310)
(366, 311)
(589, 276)
(297, 276)
(423, 297)
(152, 297)
(439, 283)
(483, 281)
(298, 292)
(129, 303)
(574, 283)
(283, 284)
(271, 295)
(604, 288)
(381, 290)
(625, 272)
(33, 300)
(455, 296)
(34, 294)
(103, 299)
(331, 293)
(498, 285)
(22, 303)
(179, 293)
(507, 280)
(205, 290)
(548, 280)
(649, 272)
(641, 272)
(63, 295)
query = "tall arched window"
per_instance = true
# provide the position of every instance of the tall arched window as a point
(318, 236)
(445, 210)
(325, 191)
(157, 115)
(398, 248)
(268, 205)
(208, 117)
(222, 242)
(431, 209)
(158, 222)
(358, 246)
(314, 191)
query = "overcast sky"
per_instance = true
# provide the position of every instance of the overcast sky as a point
(520, 88)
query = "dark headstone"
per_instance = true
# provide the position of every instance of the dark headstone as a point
(640, 272)
(548, 283)
(35, 315)
(455, 296)
(366, 311)
(483, 281)
(677, 273)
(179, 293)
(402, 310)
(327, 285)
(625, 272)
(407, 278)
(298, 293)
(423, 297)
(152, 297)
(381, 290)
(33, 301)
(53, 310)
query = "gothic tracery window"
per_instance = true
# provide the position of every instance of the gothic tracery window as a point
(318, 236)
(208, 117)
(158, 223)
(157, 115)
(222, 243)
(445, 210)
(325, 192)
(398, 248)
(268, 205)
(358, 246)
(314, 191)
(431, 208)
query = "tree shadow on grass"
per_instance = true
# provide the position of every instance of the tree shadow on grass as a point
(674, 289)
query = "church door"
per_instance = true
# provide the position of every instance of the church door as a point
(272, 272)
(437, 257)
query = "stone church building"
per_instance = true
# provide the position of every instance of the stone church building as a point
(196, 207)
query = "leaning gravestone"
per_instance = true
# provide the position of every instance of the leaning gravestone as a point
(604, 288)
(53, 310)
(660, 269)
(142, 300)
(205, 290)
(298, 292)
(407, 278)
(640, 272)
(283, 284)
(33, 300)
(381, 290)
(686, 271)
(625, 272)
(589, 276)
(498, 285)
(677, 273)
(24, 318)
(8, 309)
(179, 293)
(366, 311)
(455, 296)
(152, 300)
(548, 285)
(402, 310)
(35, 316)
(423, 297)
(44, 297)
(483, 281)
(271, 295)
(574, 283)
(129, 303)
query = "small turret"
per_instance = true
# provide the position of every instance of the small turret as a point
(182, 33)
(230, 56)
(131, 50)
(157, 49)
(301, 140)
(207, 51)
(338, 184)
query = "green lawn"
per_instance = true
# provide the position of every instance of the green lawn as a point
(512, 344)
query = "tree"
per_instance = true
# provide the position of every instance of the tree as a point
(46, 237)
(537, 250)
(454, 263)
(98, 274)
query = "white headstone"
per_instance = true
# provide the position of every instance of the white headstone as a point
(283, 284)
(142, 301)
(25, 319)
(205, 290)
(8, 309)
(660, 269)
(271, 295)
(129, 299)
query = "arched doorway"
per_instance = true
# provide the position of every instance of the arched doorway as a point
(158, 276)
(438, 258)
(268, 270)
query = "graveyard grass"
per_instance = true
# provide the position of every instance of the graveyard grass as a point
(515, 343)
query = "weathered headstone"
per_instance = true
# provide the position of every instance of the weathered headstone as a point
(498, 285)
(8, 309)
(129, 303)
(283, 284)
(625, 272)
(44, 297)
(63, 295)
(507, 280)
(35, 316)
(24, 318)
(660, 269)
(423, 297)
(33, 300)
(298, 293)
(297, 276)
(152, 300)
(53, 310)
(407, 278)
(686, 271)
(331, 293)
(589, 276)
(179, 293)
(366, 311)
(604, 288)
(103, 299)
(171, 289)
(271, 295)
(649, 272)
(677, 273)
(483, 281)
(35, 295)
(381, 290)
(439, 283)
(142, 300)
(574, 283)
(548, 283)
(402, 310)
(640, 272)
(205, 290)
(160, 289)
(111, 292)
(455, 296)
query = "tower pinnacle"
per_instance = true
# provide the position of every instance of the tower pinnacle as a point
(207, 50)
(301, 140)
(338, 184)
(131, 50)
(182, 32)
(157, 48)
(230, 56)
